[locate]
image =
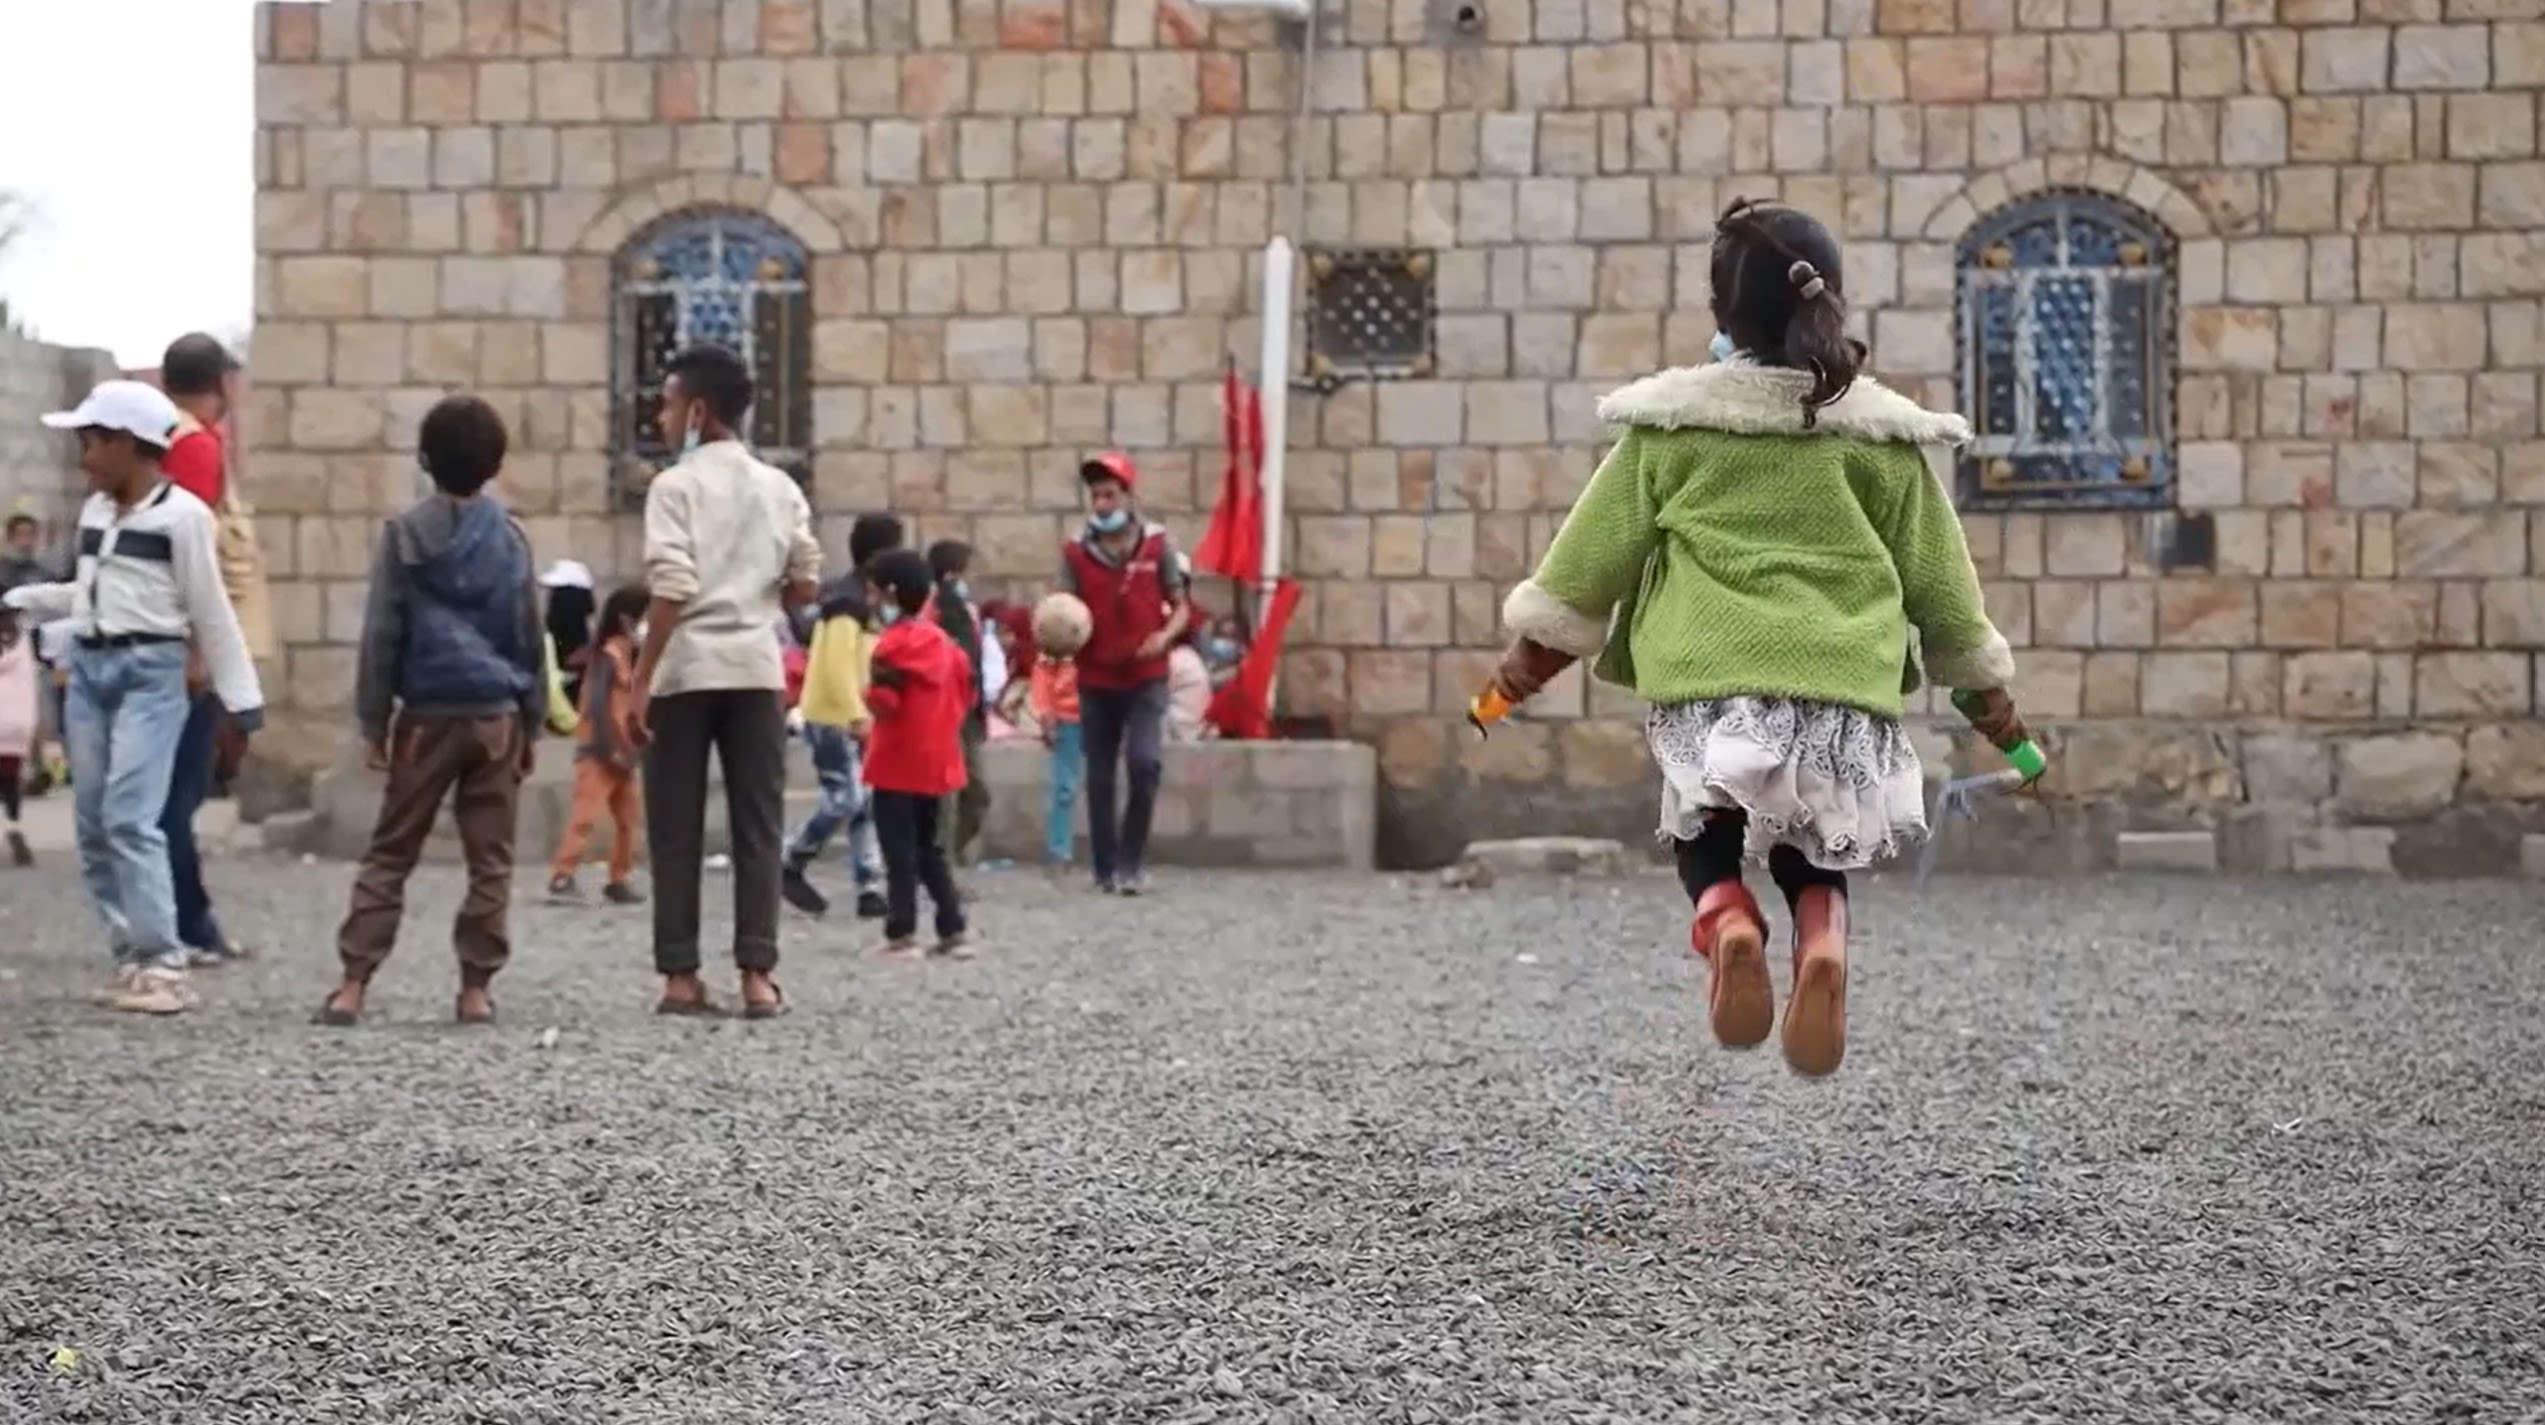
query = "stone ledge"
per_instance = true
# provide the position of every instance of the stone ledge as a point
(1295, 804)
(2531, 855)
(2166, 851)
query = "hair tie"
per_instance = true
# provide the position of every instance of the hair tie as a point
(1806, 277)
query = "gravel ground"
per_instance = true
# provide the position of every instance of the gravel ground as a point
(1306, 1149)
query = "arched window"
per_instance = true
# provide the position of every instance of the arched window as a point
(2067, 322)
(729, 277)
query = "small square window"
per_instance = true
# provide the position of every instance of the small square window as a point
(1370, 314)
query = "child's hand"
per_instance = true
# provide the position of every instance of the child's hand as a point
(375, 755)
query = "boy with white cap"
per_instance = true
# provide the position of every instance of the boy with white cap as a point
(148, 582)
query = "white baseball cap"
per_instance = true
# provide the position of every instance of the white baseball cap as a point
(136, 408)
(566, 574)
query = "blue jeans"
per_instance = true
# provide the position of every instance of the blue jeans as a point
(845, 803)
(124, 717)
(1060, 818)
(189, 782)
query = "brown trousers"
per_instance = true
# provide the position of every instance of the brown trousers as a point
(477, 762)
(602, 789)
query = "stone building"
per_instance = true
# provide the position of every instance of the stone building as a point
(2244, 294)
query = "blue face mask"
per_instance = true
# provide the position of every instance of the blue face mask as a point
(1722, 347)
(958, 589)
(891, 615)
(1112, 521)
(1221, 650)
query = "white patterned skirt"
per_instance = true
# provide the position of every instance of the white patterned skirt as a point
(1838, 784)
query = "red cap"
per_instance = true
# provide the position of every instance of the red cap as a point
(1112, 465)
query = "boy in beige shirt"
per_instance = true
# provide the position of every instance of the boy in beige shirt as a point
(729, 547)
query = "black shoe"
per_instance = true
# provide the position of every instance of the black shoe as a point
(621, 893)
(19, 853)
(800, 894)
(1108, 886)
(561, 889)
(870, 905)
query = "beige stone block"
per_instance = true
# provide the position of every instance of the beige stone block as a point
(322, 287)
(2390, 614)
(2506, 762)
(2442, 57)
(2471, 685)
(2329, 687)
(2446, 543)
(2205, 613)
(2344, 60)
(2300, 615)
(2230, 338)
(2375, 474)
(2400, 775)
(2184, 685)
(2514, 613)
(2428, 196)
(1421, 413)
(2125, 613)
(988, 349)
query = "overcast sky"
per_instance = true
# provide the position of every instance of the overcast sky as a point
(130, 125)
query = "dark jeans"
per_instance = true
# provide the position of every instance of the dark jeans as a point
(906, 824)
(189, 782)
(1123, 727)
(746, 730)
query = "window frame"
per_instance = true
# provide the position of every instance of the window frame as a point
(1988, 470)
(786, 374)
(1327, 368)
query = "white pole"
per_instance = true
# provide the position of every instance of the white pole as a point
(1275, 385)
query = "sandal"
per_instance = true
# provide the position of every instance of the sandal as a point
(764, 1009)
(694, 1005)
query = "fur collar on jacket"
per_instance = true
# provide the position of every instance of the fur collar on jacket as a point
(1745, 398)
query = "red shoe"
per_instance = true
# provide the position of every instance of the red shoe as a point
(1816, 1015)
(1732, 939)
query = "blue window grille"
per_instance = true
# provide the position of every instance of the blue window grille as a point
(730, 277)
(2067, 332)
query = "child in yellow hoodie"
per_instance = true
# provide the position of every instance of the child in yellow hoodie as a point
(834, 714)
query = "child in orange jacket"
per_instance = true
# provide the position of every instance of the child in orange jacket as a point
(605, 756)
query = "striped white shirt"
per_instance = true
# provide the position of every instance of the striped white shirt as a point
(151, 572)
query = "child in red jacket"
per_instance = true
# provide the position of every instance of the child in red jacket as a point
(919, 691)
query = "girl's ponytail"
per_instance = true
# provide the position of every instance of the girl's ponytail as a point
(1816, 339)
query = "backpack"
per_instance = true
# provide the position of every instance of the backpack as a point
(240, 553)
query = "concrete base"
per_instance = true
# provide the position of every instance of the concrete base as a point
(1302, 804)
(1296, 804)
(2166, 851)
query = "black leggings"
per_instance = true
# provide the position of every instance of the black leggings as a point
(11, 770)
(1713, 856)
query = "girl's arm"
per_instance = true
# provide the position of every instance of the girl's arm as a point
(1939, 589)
(1595, 561)
(1561, 613)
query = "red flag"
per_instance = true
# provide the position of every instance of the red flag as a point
(1233, 545)
(1242, 709)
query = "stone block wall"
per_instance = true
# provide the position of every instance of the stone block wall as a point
(39, 468)
(1035, 227)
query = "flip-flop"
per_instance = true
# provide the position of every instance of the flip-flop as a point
(690, 1008)
(334, 1018)
(771, 1010)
